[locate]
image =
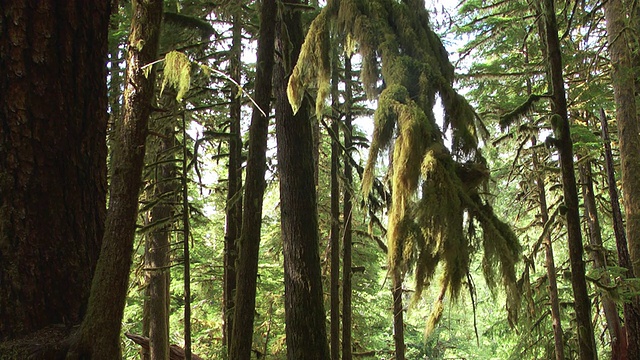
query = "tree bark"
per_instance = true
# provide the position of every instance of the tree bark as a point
(304, 304)
(249, 245)
(99, 335)
(53, 120)
(586, 340)
(234, 198)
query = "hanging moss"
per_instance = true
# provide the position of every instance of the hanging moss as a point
(177, 73)
(433, 196)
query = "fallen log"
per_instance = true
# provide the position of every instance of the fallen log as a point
(175, 351)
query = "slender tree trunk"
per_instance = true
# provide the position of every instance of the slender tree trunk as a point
(304, 304)
(53, 119)
(586, 340)
(398, 314)
(558, 339)
(631, 309)
(186, 235)
(234, 198)
(157, 259)
(347, 213)
(335, 210)
(249, 245)
(99, 335)
(609, 307)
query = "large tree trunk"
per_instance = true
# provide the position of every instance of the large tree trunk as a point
(586, 340)
(558, 339)
(249, 246)
(623, 90)
(347, 210)
(53, 119)
(234, 198)
(304, 305)
(99, 335)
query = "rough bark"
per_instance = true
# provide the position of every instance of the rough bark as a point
(234, 198)
(249, 245)
(304, 304)
(99, 334)
(586, 340)
(347, 210)
(53, 119)
(558, 339)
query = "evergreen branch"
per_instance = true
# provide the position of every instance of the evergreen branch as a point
(521, 111)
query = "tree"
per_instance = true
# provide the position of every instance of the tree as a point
(53, 124)
(560, 124)
(99, 334)
(304, 307)
(249, 245)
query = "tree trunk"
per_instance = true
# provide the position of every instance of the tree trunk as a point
(348, 188)
(586, 340)
(599, 259)
(53, 122)
(558, 339)
(631, 309)
(335, 210)
(234, 198)
(304, 305)
(626, 118)
(398, 314)
(99, 335)
(157, 249)
(249, 246)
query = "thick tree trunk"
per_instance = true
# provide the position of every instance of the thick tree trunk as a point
(599, 260)
(586, 340)
(347, 210)
(304, 303)
(631, 309)
(335, 210)
(53, 119)
(99, 335)
(234, 198)
(626, 118)
(249, 246)
(558, 339)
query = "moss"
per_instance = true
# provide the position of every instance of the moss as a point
(177, 73)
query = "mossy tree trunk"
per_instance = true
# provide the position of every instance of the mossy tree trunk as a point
(53, 121)
(623, 80)
(304, 303)
(99, 335)
(586, 340)
(249, 245)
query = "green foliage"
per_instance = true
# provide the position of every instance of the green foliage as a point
(177, 73)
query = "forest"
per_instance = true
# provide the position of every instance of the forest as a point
(306, 179)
